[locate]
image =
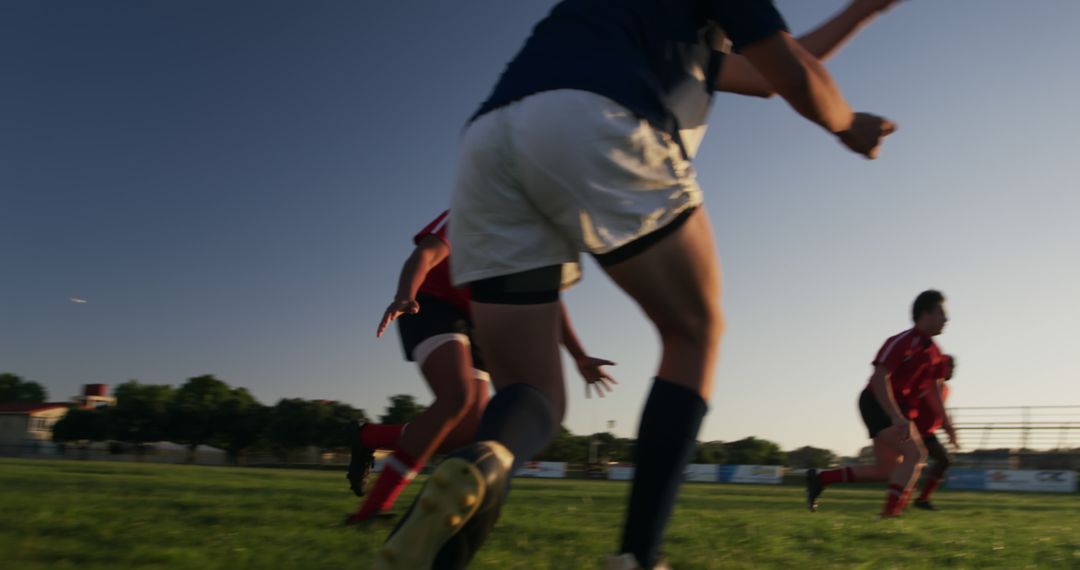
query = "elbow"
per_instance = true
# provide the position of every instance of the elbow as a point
(795, 84)
(764, 92)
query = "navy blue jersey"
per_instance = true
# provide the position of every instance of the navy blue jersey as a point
(658, 58)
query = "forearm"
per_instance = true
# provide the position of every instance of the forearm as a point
(569, 338)
(739, 76)
(815, 95)
(823, 41)
(413, 273)
(801, 80)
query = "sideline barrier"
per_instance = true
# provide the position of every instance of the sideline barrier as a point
(760, 474)
(1040, 481)
(702, 473)
(543, 470)
(710, 473)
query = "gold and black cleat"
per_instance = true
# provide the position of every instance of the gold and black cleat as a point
(453, 513)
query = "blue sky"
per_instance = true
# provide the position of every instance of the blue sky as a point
(233, 188)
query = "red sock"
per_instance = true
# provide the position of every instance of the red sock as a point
(902, 504)
(892, 500)
(381, 436)
(398, 470)
(929, 486)
(842, 475)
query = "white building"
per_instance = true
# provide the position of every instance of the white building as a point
(27, 428)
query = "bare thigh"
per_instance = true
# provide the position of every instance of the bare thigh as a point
(520, 344)
(676, 282)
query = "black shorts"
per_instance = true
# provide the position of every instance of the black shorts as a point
(436, 317)
(873, 415)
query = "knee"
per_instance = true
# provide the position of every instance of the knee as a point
(919, 455)
(473, 414)
(457, 405)
(702, 325)
(913, 452)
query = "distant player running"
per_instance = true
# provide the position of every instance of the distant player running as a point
(905, 365)
(436, 333)
(931, 416)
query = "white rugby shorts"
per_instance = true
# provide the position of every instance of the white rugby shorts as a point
(556, 174)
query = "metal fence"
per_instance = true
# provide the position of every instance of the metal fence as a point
(1040, 428)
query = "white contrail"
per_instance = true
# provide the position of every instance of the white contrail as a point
(77, 300)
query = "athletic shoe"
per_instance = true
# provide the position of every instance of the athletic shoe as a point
(813, 489)
(360, 461)
(626, 561)
(454, 512)
(925, 505)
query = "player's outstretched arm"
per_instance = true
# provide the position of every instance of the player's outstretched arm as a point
(428, 253)
(804, 83)
(738, 75)
(588, 366)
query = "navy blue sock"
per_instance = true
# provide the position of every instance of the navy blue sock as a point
(666, 439)
(519, 417)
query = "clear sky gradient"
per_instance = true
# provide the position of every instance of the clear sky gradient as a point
(233, 187)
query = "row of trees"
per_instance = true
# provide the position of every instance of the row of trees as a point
(605, 447)
(207, 411)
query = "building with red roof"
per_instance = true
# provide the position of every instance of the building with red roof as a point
(28, 427)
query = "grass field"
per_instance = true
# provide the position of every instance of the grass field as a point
(71, 514)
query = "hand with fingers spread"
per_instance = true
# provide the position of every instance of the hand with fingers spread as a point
(955, 443)
(397, 308)
(866, 133)
(594, 375)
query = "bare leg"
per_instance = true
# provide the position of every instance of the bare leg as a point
(888, 454)
(676, 282)
(520, 344)
(906, 473)
(448, 371)
(937, 472)
(465, 431)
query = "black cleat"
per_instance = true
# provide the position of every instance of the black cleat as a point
(925, 505)
(813, 489)
(360, 461)
(454, 512)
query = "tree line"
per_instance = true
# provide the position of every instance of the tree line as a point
(206, 411)
(605, 447)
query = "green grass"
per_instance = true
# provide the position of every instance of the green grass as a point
(72, 514)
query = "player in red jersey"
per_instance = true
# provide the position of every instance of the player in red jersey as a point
(906, 362)
(436, 333)
(931, 416)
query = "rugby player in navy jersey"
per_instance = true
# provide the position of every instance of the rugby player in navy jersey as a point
(584, 145)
